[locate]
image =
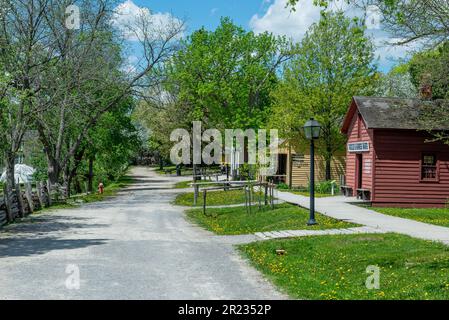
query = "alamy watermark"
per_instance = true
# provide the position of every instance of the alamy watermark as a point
(373, 17)
(72, 282)
(373, 280)
(257, 152)
(73, 18)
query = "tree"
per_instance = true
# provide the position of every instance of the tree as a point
(397, 83)
(333, 63)
(224, 76)
(109, 145)
(23, 57)
(88, 80)
(431, 68)
(407, 20)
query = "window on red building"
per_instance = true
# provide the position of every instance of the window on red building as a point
(429, 167)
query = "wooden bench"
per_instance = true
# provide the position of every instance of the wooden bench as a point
(364, 194)
(346, 191)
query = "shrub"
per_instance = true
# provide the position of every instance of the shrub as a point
(325, 187)
(283, 186)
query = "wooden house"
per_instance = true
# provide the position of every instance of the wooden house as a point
(389, 160)
(299, 176)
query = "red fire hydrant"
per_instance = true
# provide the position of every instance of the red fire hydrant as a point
(101, 188)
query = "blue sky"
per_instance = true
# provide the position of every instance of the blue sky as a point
(207, 12)
(260, 16)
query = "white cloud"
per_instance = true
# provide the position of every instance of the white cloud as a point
(130, 64)
(390, 54)
(127, 16)
(281, 21)
(294, 24)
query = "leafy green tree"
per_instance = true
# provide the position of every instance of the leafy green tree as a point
(431, 68)
(224, 77)
(333, 63)
(110, 145)
(397, 83)
(407, 20)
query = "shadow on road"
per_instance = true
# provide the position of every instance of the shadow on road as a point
(33, 236)
(145, 189)
(46, 224)
(22, 247)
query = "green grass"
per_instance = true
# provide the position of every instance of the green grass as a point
(214, 198)
(233, 221)
(437, 216)
(183, 184)
(307, 194)
(184, 172)
(334, 267)
(109, 190)
(187, 184)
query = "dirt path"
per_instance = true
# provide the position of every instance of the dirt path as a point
(134, 246)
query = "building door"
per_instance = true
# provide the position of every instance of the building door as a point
(359, 168)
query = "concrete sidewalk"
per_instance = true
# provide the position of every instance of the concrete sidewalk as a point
(341, 208)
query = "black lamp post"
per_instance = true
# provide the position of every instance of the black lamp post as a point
(312, 130)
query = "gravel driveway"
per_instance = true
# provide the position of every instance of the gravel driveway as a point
(134, 246)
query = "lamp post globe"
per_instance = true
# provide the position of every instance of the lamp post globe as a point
(312, 131)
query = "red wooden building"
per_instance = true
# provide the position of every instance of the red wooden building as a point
(389, 161)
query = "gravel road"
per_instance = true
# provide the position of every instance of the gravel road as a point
(133, 246)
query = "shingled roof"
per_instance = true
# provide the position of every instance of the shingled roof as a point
(388, 113)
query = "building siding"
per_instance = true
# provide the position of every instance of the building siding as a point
(301, 173)
(358, 133)
(398, 170)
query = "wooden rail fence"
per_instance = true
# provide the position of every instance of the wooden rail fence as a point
(25, 199)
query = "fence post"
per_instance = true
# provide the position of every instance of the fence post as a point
(250, 197)
(39, 194)
(266, 193)
(204, 201)
(195, 197)
(49, 201)
(20, 203)
(29, 196)
(7, 204)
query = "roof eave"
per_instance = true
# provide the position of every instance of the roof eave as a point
(349, 115)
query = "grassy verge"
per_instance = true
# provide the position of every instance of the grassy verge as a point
(183, 184)
(214, 198)
(187, 184)
(437, 216)
(307, 194)
(74, 201)
(233, 221)
(335, 267)
(109, 190)
(184, 172)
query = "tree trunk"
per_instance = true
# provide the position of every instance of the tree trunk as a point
(53, 171)
(328, 157)
(10, 164)
(161, 164)
(290, 167)
(77, 186)
(71, 173)
(67, 179)
(91, 175)
(328, 170)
